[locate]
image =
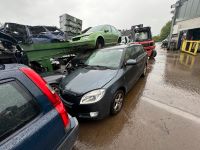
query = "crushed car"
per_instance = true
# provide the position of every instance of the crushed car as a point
(45, 34)
(97, 37)
(10, 51)
(34, 34)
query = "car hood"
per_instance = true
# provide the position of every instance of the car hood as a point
(84, 80)
(82, 35)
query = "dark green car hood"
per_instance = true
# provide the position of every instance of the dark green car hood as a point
(84, 80)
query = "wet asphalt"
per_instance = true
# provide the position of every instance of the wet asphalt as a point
(161, 112)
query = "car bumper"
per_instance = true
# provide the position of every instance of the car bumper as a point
(94, 111)
(149, 49)
(71, 136)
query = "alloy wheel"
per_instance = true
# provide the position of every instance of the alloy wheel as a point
(118, 102)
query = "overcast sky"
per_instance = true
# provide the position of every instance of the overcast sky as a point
(120, 13)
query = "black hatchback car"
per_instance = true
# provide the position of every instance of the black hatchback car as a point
(98, 87)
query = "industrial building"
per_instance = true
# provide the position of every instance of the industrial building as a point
(70, 25)
(186, 21)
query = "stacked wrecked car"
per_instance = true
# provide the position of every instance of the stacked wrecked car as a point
(34, 34)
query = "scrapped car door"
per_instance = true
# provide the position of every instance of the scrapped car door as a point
(131, 71)
(107, 34)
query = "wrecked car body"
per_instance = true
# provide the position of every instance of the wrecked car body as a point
(45, 34)
(17, 31)
(34, 34)
(10, 51)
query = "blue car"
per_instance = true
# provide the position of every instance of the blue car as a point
(32, 116)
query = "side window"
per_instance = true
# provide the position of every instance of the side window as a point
(114, 30)
(17, 108)
(140, 50)
(107, 28)
(131, 53)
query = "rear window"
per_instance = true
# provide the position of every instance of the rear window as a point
(17, 108)
(141, 36)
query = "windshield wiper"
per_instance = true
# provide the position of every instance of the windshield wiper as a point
(80, 64)
(102, 67)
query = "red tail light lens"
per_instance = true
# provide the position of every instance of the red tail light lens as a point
(52, 96)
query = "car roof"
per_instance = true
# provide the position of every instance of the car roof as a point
(8, 67)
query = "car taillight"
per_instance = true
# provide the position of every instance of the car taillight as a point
(49, 92)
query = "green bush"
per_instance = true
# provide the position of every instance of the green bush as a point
(156, 38)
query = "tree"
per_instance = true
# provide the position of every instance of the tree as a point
(165, 31)
(156, 38)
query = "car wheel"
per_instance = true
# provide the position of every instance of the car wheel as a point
(99, 43)
(119, 40)
(144, 71)
(117, 102)
(153, 55)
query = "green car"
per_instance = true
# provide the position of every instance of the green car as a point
(97, 37)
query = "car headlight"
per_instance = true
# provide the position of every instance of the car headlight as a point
(85, 37)
(92, 97)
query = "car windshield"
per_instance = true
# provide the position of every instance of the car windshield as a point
(141, 36)
(105, 58)
(95, 29)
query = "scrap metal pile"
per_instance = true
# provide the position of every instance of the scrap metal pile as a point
(34, 34)
(10, 51)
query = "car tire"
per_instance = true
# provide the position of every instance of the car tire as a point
(144, 71)
(117, 102)
(99, 43)
(119, 40)
(154, 54)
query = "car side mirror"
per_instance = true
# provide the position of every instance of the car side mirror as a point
(106, 30)
(131, 62)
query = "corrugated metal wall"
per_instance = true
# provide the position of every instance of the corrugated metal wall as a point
(188, 10)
